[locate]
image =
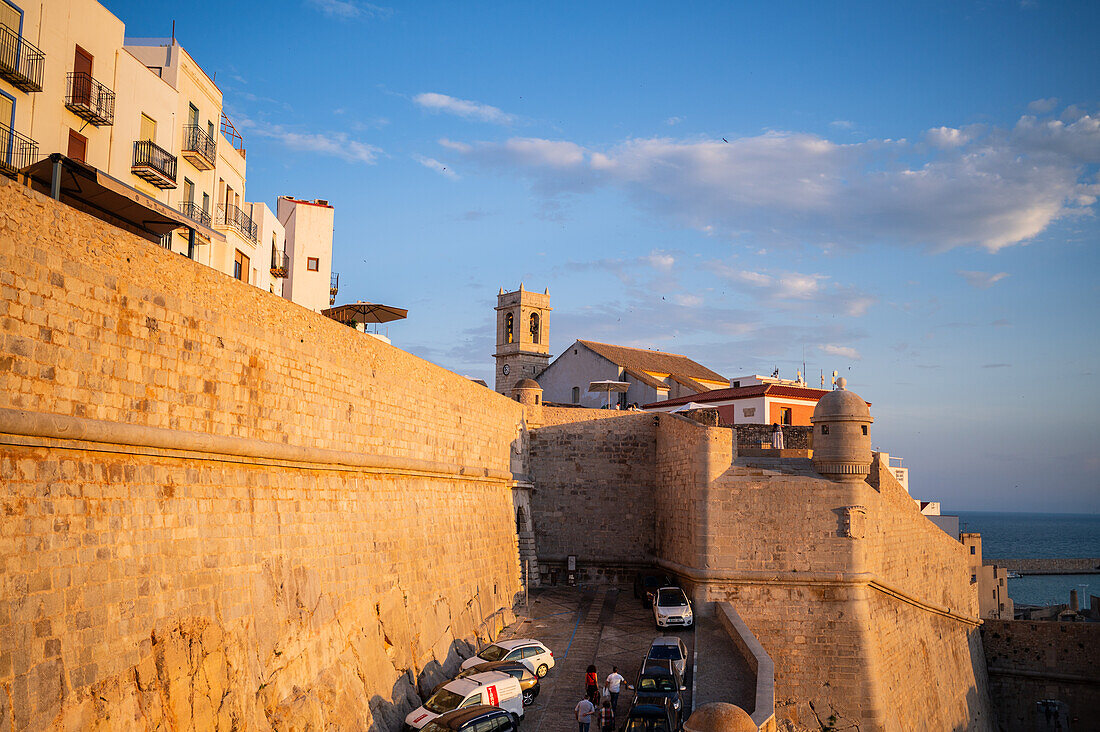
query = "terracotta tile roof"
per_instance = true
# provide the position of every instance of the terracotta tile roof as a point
(745, 392)
(641, 359)
(646, 379)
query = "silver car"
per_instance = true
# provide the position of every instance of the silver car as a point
(668, 649)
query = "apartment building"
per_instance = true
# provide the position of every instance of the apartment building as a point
(144, 112)
(309, 226)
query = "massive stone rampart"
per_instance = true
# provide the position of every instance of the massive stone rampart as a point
(221, 510)
(865, 606)
(1033, 661)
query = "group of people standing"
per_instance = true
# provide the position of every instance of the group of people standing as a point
(602, 705)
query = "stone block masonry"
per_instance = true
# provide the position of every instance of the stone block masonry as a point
(219, 510)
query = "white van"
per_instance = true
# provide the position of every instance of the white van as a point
(492, 687)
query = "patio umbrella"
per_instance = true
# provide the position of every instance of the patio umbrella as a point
(365, 312)
(608, 386)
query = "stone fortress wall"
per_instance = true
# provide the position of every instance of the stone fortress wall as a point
(865, 606)
(220, 510)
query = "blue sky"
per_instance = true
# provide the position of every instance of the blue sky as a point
(904, 192)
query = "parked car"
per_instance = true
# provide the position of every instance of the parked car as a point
(646, 585)
(652, 714)
(531, 653)
(528, 682)
(492, 688)
(659, 680)
(671, 607)
(670, 649)
(479, 718)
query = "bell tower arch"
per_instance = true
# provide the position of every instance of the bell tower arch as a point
(523, 336)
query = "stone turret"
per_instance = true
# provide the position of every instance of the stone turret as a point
(528, 393)
(842, 439)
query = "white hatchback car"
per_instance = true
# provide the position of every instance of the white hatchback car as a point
(531, 653)
(672, 608)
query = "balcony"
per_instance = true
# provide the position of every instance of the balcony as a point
(90, 100)
(20, 62)
(16, 151)
(198, 148)
(280, 263)
(232, 217)
(333, 287)
(195, 212)
(154, 164)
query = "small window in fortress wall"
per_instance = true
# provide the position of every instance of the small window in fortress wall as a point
(824, 429)
(972, 549)
(864, 429)
(576, 395)
(973, 577)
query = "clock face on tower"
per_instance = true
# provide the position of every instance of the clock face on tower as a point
(506, 369)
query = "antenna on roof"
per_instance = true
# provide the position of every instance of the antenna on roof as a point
(803, 363)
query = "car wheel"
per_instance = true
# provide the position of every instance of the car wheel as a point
(528, 698)
(541, 670)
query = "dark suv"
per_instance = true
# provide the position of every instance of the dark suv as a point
(646, 585)
(659, 679)
(652, 714)
(480, 718)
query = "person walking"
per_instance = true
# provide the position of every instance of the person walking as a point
(583, 712)
(606, 717)
(591, 682)
(777, 437)
(613, 685)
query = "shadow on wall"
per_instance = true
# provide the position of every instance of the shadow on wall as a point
(389, 715)
(436, 673)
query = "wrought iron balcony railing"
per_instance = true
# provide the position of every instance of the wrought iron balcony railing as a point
(16, 151)
(233, 217)
(333, 287)
(20, 62)
(198, 148)
(90, 100)
(195, 212)
(280, 263)
(154, 164)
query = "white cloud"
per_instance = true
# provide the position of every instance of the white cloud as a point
(842, 124)
(433, 164)
(688, 301)
(947, 137)
(843, 351)
(979, 186)
(1042, 106)
(671, 121)
(982, 280)
(464, 108)
(336, 144)
(660, 260)
(797, 290)
(347, 9)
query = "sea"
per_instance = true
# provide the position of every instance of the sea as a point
(1039, 535)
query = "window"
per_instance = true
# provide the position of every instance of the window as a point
(534, 327)
(206, 203)
(313, 264)
(864, 427)
(78, 146)
(737, 385)
(188, 191)
(748, 412)
(509, 328)
(576, 395)
(972, 549)
(973, 578)
(12, 17)
(536, 398)
(824, 429)
(148, 128)
(240, 266)
(192, 115)
(82, 86)
(784, 415)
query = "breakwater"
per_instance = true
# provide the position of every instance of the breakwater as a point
(1050, 565)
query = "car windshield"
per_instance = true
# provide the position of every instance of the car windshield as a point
(646, 724)
(443, 701)
(666, 653)
(659, 683)
(671, 598)
(493, 653)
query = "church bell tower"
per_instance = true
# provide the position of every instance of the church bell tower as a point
(523, 336)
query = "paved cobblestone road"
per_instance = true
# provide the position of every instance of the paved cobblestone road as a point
(606, 626)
